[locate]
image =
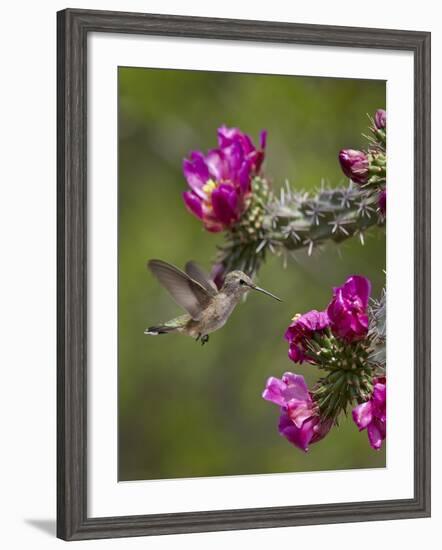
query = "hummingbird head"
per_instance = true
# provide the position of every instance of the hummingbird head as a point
(237, 283)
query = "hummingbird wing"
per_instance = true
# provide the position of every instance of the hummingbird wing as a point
(187, 293)
(197, 274)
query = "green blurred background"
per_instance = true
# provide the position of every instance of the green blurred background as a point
(187, 410)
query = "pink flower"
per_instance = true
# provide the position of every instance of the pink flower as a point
(299, 422)
(348, 309)
(372, 416)
(302, 329)
(354, 164)
(220, 181)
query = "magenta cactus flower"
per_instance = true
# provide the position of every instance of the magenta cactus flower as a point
(372, 415)
(380, 119)
(299, 422)
(220, 181)
(355, 165)
(348, 309)
(301, 330)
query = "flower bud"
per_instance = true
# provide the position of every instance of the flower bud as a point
(380, 119)
(354, 164)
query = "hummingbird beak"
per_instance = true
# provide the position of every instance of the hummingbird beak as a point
(259, 289)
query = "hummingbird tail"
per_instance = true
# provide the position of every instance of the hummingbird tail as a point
(155, 331)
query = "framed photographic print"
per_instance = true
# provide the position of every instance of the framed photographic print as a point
(238, 275)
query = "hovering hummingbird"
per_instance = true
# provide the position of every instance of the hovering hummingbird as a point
(207, 308)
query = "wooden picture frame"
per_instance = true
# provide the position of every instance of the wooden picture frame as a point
(74, 26)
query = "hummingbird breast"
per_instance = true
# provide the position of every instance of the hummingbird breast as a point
(214, 316)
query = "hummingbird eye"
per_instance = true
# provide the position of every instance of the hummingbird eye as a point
(242, 282)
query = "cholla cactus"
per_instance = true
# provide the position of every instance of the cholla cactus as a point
(233, 195)
(294, 220)
(345, 342)
(229, 192)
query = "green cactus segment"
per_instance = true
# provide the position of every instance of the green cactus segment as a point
(377, 170)
(350, 367)
(294, 221)
(377, 156)
(297, 220)
(243, 249)
(340, 390)
(349, 378)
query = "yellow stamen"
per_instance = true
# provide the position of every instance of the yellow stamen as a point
(296, 317)
(209, 187)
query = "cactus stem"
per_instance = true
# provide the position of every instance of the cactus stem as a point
(295, 220)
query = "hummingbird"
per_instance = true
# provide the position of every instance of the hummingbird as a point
(207, 307)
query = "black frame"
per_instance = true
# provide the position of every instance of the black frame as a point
(73, 27)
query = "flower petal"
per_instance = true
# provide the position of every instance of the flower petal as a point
(225, 202)
(263, 139)
(243, 177)
(299, 413)
(362, 415)
(226, 135)
(200, 165)
(217, 165)
(274, 391)
(291, 387)
(321, 429)
(337, 307)
(298, 437)
(296, 353)
(213, 226)
(379, 399)
(375, 435)
(358, 286)
(379, 394)
(314, 320)
(296, 386)
(193, 204)
(196, 176)
(234, 158)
